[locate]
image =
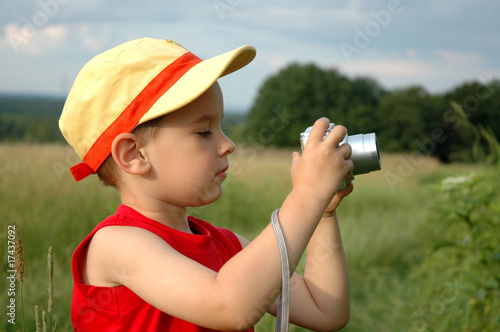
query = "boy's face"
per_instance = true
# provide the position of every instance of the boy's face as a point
(189, 158)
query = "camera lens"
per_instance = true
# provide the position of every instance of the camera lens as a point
(365, 153)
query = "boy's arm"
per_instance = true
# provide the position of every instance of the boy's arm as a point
(247, 285)
(320, 299)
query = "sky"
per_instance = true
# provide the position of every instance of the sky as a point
(399, 43)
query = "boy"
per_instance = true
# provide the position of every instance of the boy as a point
(145, 116)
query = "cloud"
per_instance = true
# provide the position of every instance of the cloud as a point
(31, 40)
(93, 38)
(456, 58)
(395, 68)
(436, 71)
(275, 62)
(296, 18)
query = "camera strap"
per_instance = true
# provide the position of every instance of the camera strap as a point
(283, 314)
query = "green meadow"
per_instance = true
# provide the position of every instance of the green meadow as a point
(411, 268)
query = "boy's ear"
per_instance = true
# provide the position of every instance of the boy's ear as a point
(128, 154)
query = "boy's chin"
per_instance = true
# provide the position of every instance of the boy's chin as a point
(208, 198)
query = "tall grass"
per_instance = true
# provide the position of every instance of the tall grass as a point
(387, 226)
(51, 211)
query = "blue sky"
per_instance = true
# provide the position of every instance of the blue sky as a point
(435, 44)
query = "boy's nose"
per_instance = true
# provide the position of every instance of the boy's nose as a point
(227, 146)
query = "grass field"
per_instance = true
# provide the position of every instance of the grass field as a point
(387, 226)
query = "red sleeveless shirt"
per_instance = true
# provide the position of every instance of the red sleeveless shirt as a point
(118, 308)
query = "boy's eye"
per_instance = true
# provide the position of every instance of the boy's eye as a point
(205, 133)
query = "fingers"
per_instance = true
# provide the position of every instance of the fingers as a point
(295, 158)
(348, 189)
(337, 135)
(318, 130)
(337, 199)
(346, 150)
(334, 138)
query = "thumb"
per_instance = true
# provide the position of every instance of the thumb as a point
(295, 158)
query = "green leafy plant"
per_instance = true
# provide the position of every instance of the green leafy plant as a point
(461, 276)
(484, 145)
(469, 219)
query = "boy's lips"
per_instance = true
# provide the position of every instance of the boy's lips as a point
(223, 173)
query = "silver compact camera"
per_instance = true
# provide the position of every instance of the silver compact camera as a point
(365, 153)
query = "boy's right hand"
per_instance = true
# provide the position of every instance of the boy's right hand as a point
(323, 165)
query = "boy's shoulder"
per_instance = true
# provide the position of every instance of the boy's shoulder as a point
(127, 222)
(113, 246)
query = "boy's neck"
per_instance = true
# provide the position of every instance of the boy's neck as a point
(172, 216)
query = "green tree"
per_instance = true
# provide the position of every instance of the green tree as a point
(401, 119)
(364, 99)
(480, 103)
(298, 95)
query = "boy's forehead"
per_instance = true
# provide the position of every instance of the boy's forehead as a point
(196, 116)
(208, 107)
(205, 118)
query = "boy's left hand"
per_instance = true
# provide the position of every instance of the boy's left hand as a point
(330, 209)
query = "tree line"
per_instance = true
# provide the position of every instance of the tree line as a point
(405, 120)
(30, 119)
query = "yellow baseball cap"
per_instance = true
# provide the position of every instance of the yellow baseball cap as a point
(133, 83)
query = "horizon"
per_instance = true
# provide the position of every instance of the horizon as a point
(235, 109)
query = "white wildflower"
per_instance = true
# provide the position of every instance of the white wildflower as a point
(456, 182)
